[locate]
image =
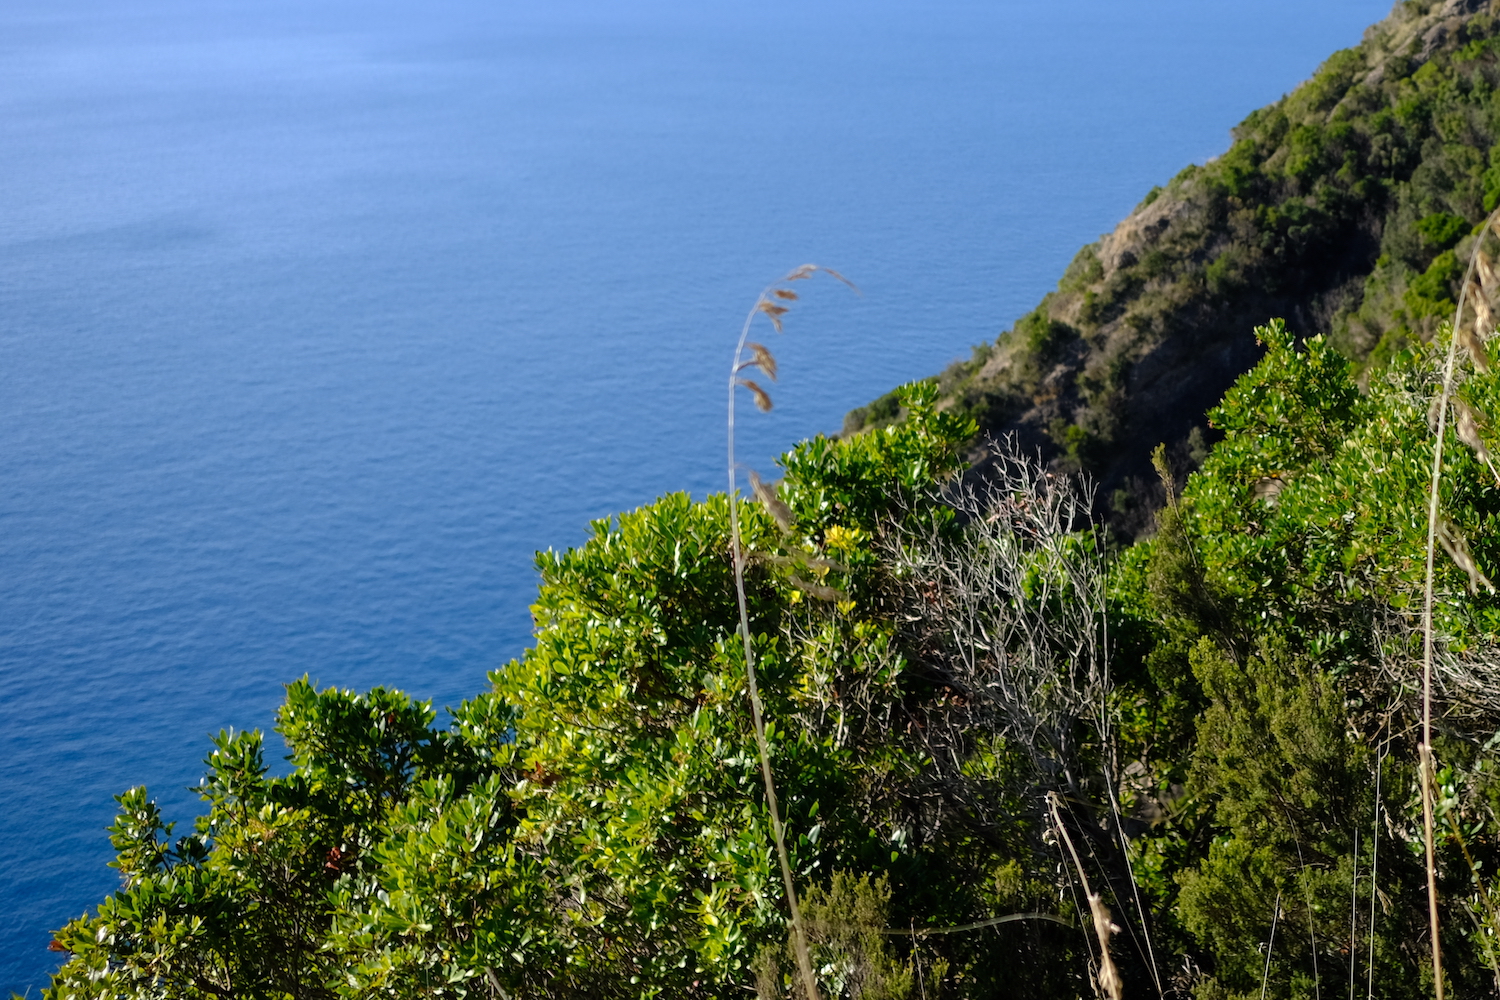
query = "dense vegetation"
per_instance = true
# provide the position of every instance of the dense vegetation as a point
(1014, 756)
(1345, 207)
(976, 714)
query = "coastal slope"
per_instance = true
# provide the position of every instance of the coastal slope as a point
(1344, 208)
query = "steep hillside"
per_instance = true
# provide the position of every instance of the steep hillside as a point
(1344, 208)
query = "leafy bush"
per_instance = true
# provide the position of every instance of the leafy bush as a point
(1441, 230)
(1431, 293)
(594, 825)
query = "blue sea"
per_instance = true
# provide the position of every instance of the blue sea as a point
(318, 319)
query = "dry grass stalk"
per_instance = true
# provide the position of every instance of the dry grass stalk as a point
(1374, 876)
(1477, 351)
(1354, 916)
(773, 311)
(1484, 324)
(766, 493)
(1467, 426)
(1111, 983)
(762, 398)
(761, 358)
(1265, 976)
(1475, 348)
(1489, 278)
(1312, 931)
(1457, 547)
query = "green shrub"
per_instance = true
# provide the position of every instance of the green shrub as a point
(1432, 292)
(1441, 230)
(1042, 337)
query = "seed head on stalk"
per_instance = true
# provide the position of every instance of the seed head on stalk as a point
(1478, 291)
(768, 304)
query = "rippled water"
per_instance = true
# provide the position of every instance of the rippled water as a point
(316, 320)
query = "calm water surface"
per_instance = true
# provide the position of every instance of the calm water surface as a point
(317, 320)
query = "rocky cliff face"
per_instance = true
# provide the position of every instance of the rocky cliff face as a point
(1344, 208)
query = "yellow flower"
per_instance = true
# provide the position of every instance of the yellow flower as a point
(843, 539)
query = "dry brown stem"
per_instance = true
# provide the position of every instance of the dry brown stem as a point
(1472, 340)
(1111, 984)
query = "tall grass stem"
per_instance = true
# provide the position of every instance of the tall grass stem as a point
(799, 933)
(1265, 976)
(1374, 878)
(1425, 750)
(1354, 917)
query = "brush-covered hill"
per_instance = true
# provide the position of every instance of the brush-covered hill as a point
(1344, 207)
